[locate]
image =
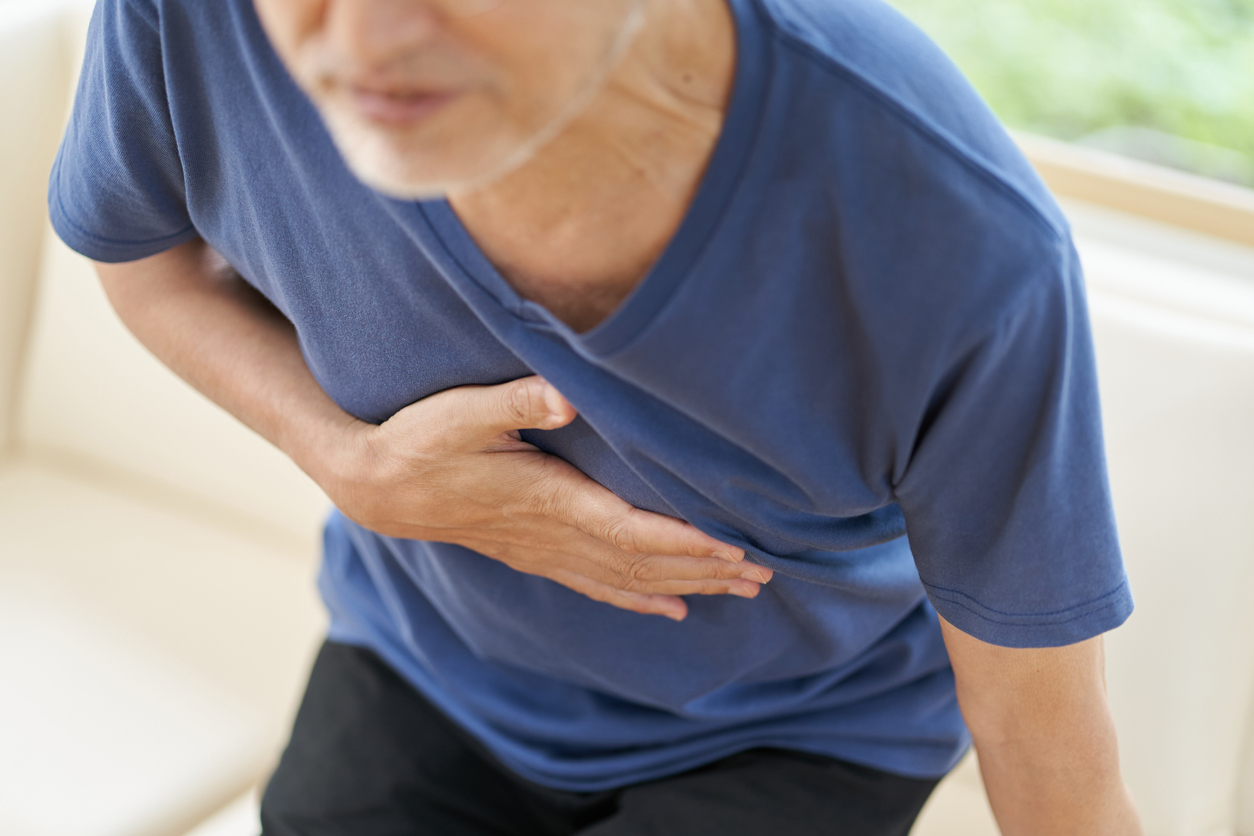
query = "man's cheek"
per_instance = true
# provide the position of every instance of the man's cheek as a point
(292, 27)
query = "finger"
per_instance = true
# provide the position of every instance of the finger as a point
(634, 531)
(669, 575)
(656, 575)
(739, 588)
(480, 413)
(670, 606)
(653, 568)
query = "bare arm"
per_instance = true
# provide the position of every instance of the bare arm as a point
(448, 468)
(1044, 735)
(188, 307)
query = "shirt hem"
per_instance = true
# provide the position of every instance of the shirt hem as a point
(1025, 630)
(107, 251)
(900, 759)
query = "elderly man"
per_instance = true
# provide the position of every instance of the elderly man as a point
(585, 312)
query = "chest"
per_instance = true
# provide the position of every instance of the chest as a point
(391, 306)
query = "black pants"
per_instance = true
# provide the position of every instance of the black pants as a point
(369, 756)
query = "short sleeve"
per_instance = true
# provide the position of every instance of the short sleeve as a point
(117, 190)
(1006, 497)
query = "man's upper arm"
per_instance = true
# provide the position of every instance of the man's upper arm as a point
(1044, 734)
(1017, 696)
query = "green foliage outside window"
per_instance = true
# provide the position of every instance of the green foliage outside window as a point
(1169, 81)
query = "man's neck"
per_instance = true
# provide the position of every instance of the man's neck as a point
(578, 225)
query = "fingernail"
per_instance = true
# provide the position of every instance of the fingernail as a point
(754, 575)
(742, 592)
(728, 556)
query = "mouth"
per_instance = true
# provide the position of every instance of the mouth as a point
(399, 108)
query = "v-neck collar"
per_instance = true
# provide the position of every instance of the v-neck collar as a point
(714, 192)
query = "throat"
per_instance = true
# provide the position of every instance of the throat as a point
(582, 306)
(581, 275)
(580, 260)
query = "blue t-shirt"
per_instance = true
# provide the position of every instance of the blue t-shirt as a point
(871, 324)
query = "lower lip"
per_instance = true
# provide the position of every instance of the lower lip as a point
(399, 111)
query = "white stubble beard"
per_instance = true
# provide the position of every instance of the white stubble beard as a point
(366, 153)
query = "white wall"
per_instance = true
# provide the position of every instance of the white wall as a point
(33, 49)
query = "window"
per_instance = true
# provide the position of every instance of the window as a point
(1166, 81)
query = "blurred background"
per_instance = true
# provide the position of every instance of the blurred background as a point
(1165, 81)
(157, 560)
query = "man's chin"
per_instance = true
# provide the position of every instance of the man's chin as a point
(378, 162)
(401, 168)
(395, 177)
(387, 180)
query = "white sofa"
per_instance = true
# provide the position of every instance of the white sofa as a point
(157, 611)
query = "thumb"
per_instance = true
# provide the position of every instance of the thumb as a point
(526, 403)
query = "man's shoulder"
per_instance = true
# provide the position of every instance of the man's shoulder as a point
(149, 12)
(177, 20)
(904, 84)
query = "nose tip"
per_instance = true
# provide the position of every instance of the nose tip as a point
(376, 31)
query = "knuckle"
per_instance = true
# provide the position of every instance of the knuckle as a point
(645, 570)
(518, 400)
(640, 572)
(619, 535)
(623, 571)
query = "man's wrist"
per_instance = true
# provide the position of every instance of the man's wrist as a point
(332, 448)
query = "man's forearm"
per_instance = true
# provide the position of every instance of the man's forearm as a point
(1045, 736)
(192, 311)
(1069, 786)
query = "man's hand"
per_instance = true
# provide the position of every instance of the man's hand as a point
(449, 468)
(1044, 735)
